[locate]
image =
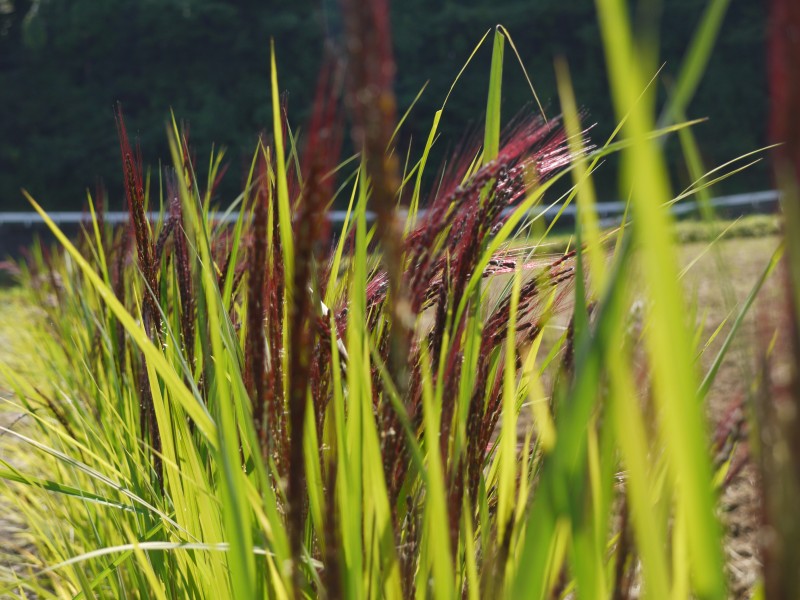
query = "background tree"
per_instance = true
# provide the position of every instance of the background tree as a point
(64, 64)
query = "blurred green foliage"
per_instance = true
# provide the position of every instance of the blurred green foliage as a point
(64, 63)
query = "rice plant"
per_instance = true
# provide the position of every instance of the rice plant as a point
(243, 404)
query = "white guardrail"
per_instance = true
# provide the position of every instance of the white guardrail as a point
(755, 201)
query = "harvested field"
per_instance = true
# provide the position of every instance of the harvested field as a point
(715, 283)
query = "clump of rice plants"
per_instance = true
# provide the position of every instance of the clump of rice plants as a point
(243, 404)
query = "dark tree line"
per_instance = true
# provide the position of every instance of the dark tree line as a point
(65, 63)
